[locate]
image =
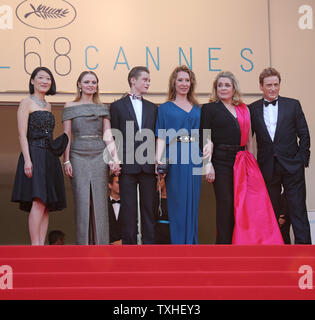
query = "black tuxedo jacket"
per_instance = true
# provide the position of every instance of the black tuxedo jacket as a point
(291, 124)
(122, 111)
(114, 225)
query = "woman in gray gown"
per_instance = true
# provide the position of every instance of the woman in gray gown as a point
(86, 122)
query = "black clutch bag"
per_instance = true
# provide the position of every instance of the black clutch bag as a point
(162, 168)
(59, 145)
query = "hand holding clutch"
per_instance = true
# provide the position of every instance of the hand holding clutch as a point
(59, 145)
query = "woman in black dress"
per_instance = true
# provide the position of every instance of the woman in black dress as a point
(39, 184)
(220, 117)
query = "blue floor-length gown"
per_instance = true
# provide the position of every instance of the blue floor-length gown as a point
(182, 186)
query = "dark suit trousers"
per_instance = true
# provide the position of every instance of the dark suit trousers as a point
(223, 162)
(295, 192)
(285, 227)
(129, 207)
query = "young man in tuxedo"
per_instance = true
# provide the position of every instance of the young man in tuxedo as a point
(278, 122)
(131, 115)
(113, 210)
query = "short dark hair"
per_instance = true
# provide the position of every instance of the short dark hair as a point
(268, 72)
(111, 177)
(52, 89)
(135, 73)
(55, 235)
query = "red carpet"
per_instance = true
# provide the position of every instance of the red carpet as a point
(201, 272)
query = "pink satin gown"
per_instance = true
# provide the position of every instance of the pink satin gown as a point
(255, 221)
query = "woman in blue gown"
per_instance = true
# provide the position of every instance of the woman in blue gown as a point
(177, 130)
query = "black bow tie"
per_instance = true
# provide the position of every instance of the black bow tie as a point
(134, 97)
(267, 103)
(114, 201)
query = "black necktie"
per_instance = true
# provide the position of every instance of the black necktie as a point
(267, 103)
(134, 97)
(114, 201)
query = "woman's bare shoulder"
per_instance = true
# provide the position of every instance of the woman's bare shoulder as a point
(70, 104)
(25, 104)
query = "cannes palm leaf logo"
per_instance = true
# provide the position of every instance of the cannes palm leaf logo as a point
(46, 12)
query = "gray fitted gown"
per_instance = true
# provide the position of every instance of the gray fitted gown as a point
(90, 177)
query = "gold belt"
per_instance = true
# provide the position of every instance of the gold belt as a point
(89, 136)
(186, 139)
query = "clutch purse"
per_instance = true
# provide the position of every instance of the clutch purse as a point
(58, 145)
(162, 168)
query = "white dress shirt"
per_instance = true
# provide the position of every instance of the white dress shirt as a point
(271, 117)
(137, 107)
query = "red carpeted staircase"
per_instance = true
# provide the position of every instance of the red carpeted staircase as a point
(200, 272)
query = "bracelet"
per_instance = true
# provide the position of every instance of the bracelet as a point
(66, 162)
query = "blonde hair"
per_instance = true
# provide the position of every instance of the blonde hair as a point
(171, 87)
(96, 98)
(236, 99)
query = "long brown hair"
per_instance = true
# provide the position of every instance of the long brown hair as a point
(171, 87)
(96, 98)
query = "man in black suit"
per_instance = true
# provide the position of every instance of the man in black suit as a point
(114, 209)
(278, 122)
(135, 118)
